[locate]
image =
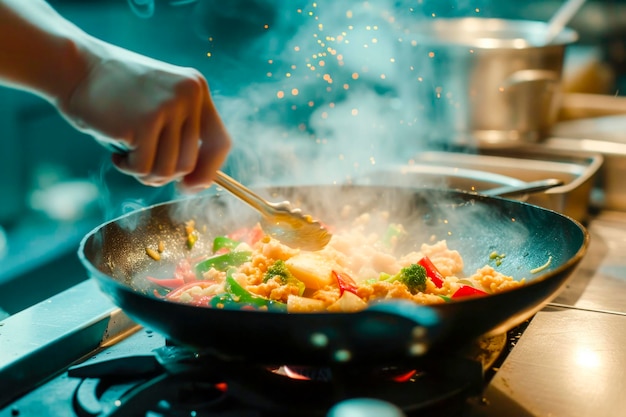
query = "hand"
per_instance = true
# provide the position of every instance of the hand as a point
(163, 114)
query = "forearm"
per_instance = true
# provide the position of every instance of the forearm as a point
(40, 51)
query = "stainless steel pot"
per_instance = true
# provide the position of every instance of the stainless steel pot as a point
(485, 82)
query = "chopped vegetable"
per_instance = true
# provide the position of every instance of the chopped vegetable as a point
(431, 271)
(497, 257)
(223, 262)
(348, 303)
(413, 276)
(243, 297)
(345, 283)
(223, 243)
(468, 291)
(192, 233)
(279, 269)
(312, 268)
(153, 254)
(542, 267)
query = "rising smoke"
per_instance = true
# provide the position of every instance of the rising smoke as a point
(324, 87)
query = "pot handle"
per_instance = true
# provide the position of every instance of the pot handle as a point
(530, 75)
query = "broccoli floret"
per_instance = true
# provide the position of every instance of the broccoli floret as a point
(413, 276)
(279, 269)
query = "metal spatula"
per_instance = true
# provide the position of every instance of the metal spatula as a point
(286, 224)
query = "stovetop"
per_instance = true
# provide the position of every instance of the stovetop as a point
(145, 372)
(567, 362)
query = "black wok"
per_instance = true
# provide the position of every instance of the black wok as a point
(386, 333)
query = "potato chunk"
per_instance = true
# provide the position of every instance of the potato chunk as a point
(314, 270)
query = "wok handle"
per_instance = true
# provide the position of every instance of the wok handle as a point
(521, 190)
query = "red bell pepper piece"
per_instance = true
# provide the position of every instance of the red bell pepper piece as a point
(345, 282)
(468, 291)
(431, 270)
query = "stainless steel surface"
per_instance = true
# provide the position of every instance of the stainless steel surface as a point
(578, 171)
(600, 282)
(612, 147)
(285, 223)
(570, 360)
(49, 336)
(569, 363)
(508, 92)
(524, 190)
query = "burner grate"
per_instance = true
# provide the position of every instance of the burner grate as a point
(176, 382)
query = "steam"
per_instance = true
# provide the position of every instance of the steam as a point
(325, 95)
(316, 92)
(320, 92)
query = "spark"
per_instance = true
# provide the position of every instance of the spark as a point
(280, 94)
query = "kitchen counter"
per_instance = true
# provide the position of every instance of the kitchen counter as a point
(570, 360)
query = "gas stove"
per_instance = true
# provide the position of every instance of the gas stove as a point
(144, 375)
(76, 354)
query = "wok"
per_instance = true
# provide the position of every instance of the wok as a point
(387, 333)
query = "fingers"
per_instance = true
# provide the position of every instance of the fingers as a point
(214, 148)
(183, 137)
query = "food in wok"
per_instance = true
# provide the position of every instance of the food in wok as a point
(482, 229)
(248, 269)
